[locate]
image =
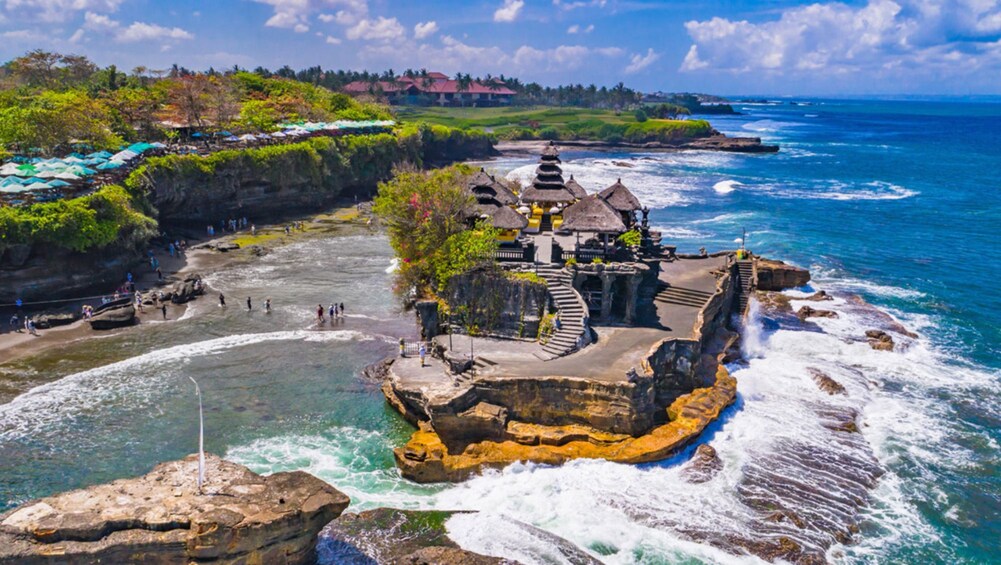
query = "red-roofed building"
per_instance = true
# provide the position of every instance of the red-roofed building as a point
(435, 89)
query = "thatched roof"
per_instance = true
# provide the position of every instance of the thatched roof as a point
(620, 198)
(481, 178)
(504, 194)
(505, 218)
(556, 194)
(550, 152)
(575, 188)
(592, 214)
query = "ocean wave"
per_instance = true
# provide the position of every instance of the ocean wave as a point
(359, 462)
(836, 281)
(726, 186)
(770, 125)
(678, 232)
(838, 190)
(47, 405)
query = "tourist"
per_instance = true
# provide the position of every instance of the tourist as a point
(139, 303)
(319, 313)
(333, 312)
(209, 230)
(170, 249)
(163, 309)
(403, 347)
(253, 229)
(342, 309)
(287, 231)
(15, 324)
(249, 307)
(422, 351)
(557, 323)
(159, 274)
(267, 305)
(222, 300)
(31, 327)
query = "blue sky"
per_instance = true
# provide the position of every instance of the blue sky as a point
(739, 47)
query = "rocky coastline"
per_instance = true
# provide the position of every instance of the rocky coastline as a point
(161, 517)
(716, 142)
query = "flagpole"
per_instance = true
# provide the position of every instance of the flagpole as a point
(201, 438)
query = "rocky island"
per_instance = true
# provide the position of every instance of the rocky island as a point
(580, 350)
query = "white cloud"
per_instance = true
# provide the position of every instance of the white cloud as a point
(56, 10)
(381, 29)
(301, 28)
(333, 40)
(573, 5)
(577, 29)
(881, 38)
(639, 62)
(134, 32)
(425, 29)
(509, 11)
(294, 14)
(77, 36)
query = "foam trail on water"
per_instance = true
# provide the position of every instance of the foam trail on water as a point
(726, 186)
(47, 405)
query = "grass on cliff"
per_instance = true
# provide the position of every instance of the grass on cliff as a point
(559, 123)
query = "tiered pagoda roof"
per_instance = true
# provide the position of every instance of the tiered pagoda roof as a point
(548, 185)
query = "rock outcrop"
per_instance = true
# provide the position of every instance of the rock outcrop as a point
(776, 275)
(186, 290)
(160, 518)
(386, 535)
(112, 318)
(879, 340)
(809, 312)
(825, 382)
(704, 465)
(52, 320)
(426, 458)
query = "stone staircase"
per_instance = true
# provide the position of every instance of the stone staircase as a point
(564, 340)
(668, 294)
(746, 270)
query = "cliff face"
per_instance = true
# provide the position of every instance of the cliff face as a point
(498, 305)
(159, 518)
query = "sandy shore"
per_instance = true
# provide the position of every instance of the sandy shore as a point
(202, 257)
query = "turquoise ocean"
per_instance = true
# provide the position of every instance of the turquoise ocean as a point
(892, 201)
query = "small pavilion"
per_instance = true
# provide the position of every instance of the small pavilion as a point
(592, 215)
(575, 188)
(623, 201)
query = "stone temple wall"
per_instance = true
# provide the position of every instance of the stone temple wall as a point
(496, 304)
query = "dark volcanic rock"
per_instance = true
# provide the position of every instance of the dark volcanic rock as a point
(46, 321)
(776, 275)
(114, 318)
(819, 296)
(703, 466)
(186, 290)
(387, 535)
(808, 312)
(160, 518)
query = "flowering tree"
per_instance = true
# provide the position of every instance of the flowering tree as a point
(426, 216)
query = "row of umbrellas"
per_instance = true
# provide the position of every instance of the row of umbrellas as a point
(24, 174)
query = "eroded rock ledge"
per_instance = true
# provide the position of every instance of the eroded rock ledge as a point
(242, 517)
(425, 458)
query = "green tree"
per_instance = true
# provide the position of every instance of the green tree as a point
(258, 115)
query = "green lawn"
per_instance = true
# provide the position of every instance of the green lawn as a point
(539, 122)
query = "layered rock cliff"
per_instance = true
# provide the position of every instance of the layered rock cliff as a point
(160, 518)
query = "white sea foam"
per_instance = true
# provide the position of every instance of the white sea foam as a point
(834, 189)
(44, 406)
(726, 186)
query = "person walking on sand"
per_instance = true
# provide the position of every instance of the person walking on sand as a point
(267, 305)
(319, 313)
(31, 327)
(164, 310)
(139, 303)
(249, 306)
(15, 324)
(222, 300)
(422, 351)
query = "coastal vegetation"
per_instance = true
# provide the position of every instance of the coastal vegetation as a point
(518, 123)
(425, 216)
(50, 102)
